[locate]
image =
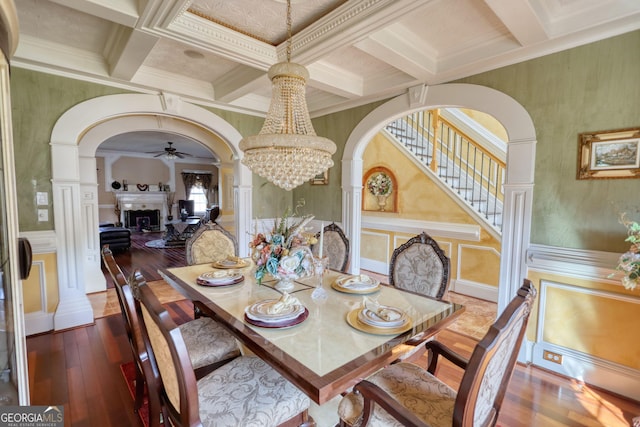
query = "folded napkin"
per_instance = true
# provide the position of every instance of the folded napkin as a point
(282, 304)
(380, 310)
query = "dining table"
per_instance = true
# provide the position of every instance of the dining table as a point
(328, 349)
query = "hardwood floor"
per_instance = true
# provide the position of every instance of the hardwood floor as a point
(80, 369)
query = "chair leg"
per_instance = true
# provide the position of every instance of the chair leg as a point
(140, 383)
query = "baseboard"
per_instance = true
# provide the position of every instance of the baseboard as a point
(38, 322)
(476, 290)
(375, 266)
(583, 367)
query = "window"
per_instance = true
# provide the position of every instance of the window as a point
(199, 201)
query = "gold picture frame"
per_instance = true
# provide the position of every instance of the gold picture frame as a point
(321, 178)
(612, 154)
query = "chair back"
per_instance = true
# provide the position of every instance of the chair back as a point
(335, 246)
(419, 265)
(187, 205)
(210, 243)
(168, 352)
(492, 362)
(129, 308)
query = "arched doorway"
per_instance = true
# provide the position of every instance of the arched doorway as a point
(518, 184)
(74, 141)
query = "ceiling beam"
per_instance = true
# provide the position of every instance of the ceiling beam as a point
(520, 19)
(123, 12)
(401, 49)
(127, 51)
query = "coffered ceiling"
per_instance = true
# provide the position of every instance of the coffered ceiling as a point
(217, 52)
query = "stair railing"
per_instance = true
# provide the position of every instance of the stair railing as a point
(471, 171)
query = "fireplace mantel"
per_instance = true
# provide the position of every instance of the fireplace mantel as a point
(142, 200)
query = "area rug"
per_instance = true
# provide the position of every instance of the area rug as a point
(161, 244)
(129, 373)
(156, 244)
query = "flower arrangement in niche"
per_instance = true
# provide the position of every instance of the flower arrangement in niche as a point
(284, 252)
(380, 184)
(629, 262)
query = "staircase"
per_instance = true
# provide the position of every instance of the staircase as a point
(473, 174)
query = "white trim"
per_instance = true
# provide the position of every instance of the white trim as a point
(469, 232)
(42, 242)
(74, 140)
(581, 366)
(375, 266)
(38, 322)
(475, 289)
(576, 263)
(518, 180)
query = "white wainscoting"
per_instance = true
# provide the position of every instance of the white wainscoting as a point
(588, 265)
(469, 287)
(42, 242)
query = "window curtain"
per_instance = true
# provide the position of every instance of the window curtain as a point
(189, 180)
(201, 179)
(205, 181)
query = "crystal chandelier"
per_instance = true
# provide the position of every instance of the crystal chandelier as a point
(287, 150)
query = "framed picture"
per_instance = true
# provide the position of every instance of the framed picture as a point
(609, 154)
(321, 179)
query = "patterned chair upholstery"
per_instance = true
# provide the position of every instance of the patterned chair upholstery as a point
(419, 265)
(245, 391)
(208, 344)
(335, 247)
(405, 394)
(210, 243)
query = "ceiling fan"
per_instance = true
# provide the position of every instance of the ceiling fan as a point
(170, 152)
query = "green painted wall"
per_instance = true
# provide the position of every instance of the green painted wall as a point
(37, 102)
(325, 201)
(590, 88)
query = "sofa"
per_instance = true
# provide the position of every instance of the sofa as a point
(118, 238)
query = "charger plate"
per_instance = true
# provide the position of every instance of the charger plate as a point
(354, 322)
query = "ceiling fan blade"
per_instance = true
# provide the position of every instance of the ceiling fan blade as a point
(159, 154)
(179, 155)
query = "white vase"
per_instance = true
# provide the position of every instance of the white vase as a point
(382, 201)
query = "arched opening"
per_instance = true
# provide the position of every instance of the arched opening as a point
(74, 141)
(518, 184)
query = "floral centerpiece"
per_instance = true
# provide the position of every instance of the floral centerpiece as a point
(629, 262)
(284, 252)
(380, 184)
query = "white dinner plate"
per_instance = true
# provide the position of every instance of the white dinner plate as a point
(219, 277)
(372, 318)
(260, 311)
(357, 284)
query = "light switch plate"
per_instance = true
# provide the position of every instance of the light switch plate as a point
(42, 198)
(43, 215)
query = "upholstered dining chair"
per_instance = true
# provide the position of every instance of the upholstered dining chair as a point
(419, 265)
(405, 394)
(335, 247)
(210, 243)
(145, 373)
(246, 391)
(208, 344)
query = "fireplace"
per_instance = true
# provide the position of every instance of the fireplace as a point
(142, 219)
(150, 206)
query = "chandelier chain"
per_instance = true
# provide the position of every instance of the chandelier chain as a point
(288, 30)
